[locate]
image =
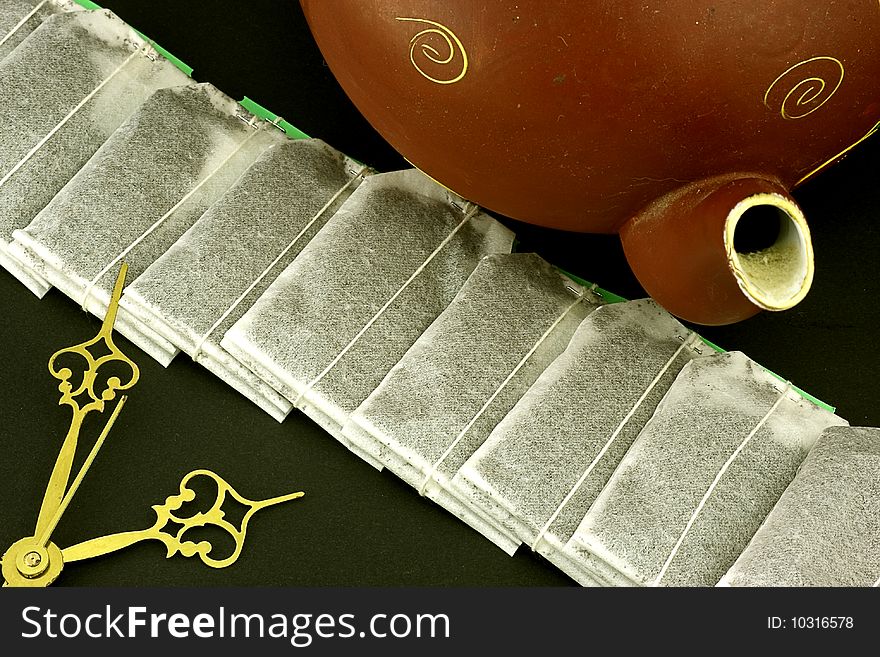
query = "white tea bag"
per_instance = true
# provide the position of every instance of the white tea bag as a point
(548, 459)
(723, 445)
(332, 325)
(63, 92)
(141, 191)
(514, 315)
(207, 280)
(825, 530)
(18, 18)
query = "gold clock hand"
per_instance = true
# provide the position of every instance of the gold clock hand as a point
(175, 543)
(43, 539)
(85, 392)
(35, 561)
(60, 473)
(98, 547)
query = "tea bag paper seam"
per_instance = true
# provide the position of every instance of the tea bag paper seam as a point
(165, 217)
(430, 475)
(32, 281)
(22, 22)
(446, 240)
(783, 395)
(688, 342)
(67, 118)
(278, 259)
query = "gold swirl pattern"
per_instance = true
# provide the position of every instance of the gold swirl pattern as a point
(815, 80)
(423, 42)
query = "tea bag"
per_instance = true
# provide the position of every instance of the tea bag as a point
(723, 445)
(544, 464)
(514, 315)
(141, 191)
(207, 280)
(18, 18)
(330, 327)
(825, 530)
(63, 92)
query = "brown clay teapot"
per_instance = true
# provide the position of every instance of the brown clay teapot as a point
(680, 124)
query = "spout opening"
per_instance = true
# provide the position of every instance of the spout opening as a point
(769, 250)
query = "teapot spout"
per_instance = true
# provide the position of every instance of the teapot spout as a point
(720, 250)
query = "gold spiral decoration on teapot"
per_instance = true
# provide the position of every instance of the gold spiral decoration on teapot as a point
(423, 45)
(805, 87)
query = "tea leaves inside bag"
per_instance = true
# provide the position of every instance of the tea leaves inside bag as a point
(63, 92)
(18, 18)
(703, 474)
(141, 191)
(210, 277)
(13, 11)
(514, 315)
(825, 530)
(547, 460)
(369, 283)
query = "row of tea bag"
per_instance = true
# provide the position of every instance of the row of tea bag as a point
(358, 295)
(146, 185)
(64, 90)
(214, 273)
(207, 206)
(513, 316)
(605, 438)
(685, 500)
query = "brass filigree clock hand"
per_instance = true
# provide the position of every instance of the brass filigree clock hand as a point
(34, 561)
(43, 539)
(84, 398)
(175, 543)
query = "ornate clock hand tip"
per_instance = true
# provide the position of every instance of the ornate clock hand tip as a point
(256, 506)
(113, 307)
(175, 542)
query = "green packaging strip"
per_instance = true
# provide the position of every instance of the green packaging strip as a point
(261, 112)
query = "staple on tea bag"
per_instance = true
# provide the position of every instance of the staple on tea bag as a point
(330, 327)
(207, 280)
(141, 191)
(686, 499)
(63, 92)
(546, 461)
(514, 315)
(825, 529)
(18, 18)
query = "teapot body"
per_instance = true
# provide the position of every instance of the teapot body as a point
(576, 114)
(580, 115)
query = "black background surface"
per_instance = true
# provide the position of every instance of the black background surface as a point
(355, 526)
